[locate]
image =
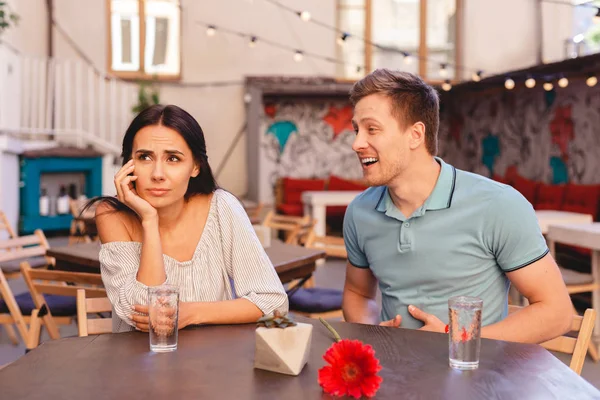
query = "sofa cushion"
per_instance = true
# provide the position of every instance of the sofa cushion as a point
(526, 187)
(582, 199)
(293, 188)
(550, 197)
(291, 209)
(336, 183)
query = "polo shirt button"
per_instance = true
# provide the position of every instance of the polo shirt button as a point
(406, 224)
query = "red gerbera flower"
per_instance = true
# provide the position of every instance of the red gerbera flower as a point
(352, 371)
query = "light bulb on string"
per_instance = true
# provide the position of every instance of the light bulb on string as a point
(591, 81)
(211, 30)
(563, 82)
(509, 84)
(298, 56)
(597, 16)
(342, 39)
(530, 82)
(252, 41)
(548, 86)
(358, 69)
(304, 16)
(407, 59)
(446, 86)
(477, 76)
(443, 71)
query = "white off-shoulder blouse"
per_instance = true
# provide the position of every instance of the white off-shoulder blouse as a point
(228, 252)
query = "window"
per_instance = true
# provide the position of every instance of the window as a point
(586, 30)
(145, 39)
(426, 30)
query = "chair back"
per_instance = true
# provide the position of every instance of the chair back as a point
(60, 283)
(332, 245)
(21, 248)
(6, 226)
(578, 346)
(289, 224)
(85, 306)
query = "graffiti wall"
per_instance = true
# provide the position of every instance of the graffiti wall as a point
(549, 136)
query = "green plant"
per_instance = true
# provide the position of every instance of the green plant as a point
(148, 95)
(7, 17)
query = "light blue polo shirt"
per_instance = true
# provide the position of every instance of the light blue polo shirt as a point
(461, 241)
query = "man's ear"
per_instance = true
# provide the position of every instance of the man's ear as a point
(417, 135)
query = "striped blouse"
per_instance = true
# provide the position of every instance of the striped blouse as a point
(228, 252)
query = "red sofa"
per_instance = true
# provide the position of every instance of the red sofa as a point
(288, 193)
(567, 197)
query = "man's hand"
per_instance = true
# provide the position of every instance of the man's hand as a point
(394, 323)
(432, 323)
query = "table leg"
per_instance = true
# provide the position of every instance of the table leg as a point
(596, 293)
(318, 214)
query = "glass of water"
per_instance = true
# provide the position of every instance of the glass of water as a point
(163, 309)
(464, 337)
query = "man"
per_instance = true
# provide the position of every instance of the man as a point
(426, 231)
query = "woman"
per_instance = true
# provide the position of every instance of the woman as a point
(171, 224)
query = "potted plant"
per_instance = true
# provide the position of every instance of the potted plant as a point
(7, 17)
(282, 345)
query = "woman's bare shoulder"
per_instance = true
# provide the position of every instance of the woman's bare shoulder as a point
(116, 225)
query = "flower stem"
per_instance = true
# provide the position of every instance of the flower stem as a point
(336, 335)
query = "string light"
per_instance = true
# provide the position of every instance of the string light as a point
(477, 76)
(548, 86)
(591, 81)
(304, 16)
(509, 84)
(342, 39)
(252, 41)
(211, 30)
(298, 56)
(563, 82)
(530, 82)
(597, 16)
(443, 71)
(408, 60)
(446, 86)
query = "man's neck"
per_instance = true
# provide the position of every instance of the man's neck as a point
(410, 189)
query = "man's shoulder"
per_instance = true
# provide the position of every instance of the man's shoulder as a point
(368, 199)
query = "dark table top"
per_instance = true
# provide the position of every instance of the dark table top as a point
(290, 261)
(216, 362)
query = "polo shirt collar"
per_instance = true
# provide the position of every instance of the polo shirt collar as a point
(440, 198)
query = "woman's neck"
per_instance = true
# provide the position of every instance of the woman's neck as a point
(170, 217)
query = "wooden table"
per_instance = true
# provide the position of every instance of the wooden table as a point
(216, 362)
(316, 202)
(291, 262)
(582, 235)
(552, 217)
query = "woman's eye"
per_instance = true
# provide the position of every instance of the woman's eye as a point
(144, 157)
(173, 158)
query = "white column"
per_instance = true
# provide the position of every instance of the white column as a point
(10, 178)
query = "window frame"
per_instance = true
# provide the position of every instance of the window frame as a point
(141, 74)
(423, 50)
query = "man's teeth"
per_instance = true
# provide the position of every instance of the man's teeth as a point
(368, 160)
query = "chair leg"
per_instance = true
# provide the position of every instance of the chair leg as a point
(593, 351)
(12, 335)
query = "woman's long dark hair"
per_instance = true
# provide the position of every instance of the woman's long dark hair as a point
(173, 117)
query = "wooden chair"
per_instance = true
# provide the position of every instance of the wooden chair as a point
(576, 282)
(85, 306)
(54, 293)
(576, 346)
(290, 225)
(10, 314)
(83, 224)
(31, 248)
(6, 226)
(332, 245)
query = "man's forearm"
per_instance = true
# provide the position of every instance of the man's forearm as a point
(360, 309)
(535, 323)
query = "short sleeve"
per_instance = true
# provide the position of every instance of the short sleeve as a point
(512, 232)
(356, 255)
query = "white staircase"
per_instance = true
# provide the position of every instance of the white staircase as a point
(63, 102)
